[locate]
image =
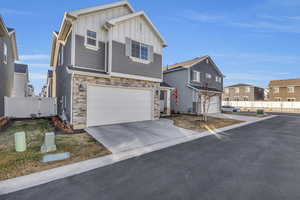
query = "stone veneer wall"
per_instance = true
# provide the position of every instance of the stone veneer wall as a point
(80, 97)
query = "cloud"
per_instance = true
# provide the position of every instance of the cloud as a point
(37, 76)
(269, 27)
(7, 11)
(34, 57)
(200, 17)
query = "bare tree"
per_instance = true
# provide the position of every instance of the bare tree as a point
(205, 97)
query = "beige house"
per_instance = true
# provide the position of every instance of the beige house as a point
(243, 92)
(284, 90)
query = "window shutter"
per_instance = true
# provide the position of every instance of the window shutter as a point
(128, 47)
(151, 53)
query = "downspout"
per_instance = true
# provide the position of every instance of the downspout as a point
(108, 50)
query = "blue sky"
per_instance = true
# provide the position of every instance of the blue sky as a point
(251, 41)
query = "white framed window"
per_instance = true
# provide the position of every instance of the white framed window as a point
(276, 90)
(5, 53)
(226, 90)
(237, 90)
(291, 99)
(247, 89)
(91, 40)
(208, 75)
(196, 76)
(291, 89)
(139, 50)
(218, 79)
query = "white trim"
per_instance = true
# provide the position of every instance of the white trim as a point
(76, 13)
(134, 59)
(98, 70)
(202, 90)
(198, 76)
(110, 38)
(87, 73)
(135, 77)
(73, 45)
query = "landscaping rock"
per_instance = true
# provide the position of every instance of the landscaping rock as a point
(55, 157)
(49, 143)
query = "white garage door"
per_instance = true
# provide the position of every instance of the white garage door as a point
(214, 105)
(113, 105)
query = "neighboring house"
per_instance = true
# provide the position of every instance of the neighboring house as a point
(192, 79)
(165, 99)
(284, 90)
(30, 90)
(21, 80)
(107, 66)
(49, 84)
(8, 55)
(243, 92)
(266, 94)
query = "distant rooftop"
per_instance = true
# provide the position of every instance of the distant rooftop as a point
(295, 81)
(185, 63)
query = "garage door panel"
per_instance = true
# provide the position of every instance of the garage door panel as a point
(112, 105)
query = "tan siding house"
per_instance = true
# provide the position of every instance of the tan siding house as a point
(284, 90)
(243, 92)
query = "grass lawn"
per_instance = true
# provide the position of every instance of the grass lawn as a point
(195, 123)
(13, 164)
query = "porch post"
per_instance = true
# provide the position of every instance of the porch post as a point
(168, 102)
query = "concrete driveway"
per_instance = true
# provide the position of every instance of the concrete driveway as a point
(125, 137)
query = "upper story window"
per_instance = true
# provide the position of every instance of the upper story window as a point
(247, 89)
(91, 39)
(5, 58)
(208, 75)
(276, 90)
(139, 50)
(291, 89)
(237, 90)
(218, 79)
(196, 76)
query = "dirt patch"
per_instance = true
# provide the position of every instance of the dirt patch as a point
(196, 123)
(12, 164)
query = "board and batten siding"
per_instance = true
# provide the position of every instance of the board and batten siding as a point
(95, 21)
(137, 29)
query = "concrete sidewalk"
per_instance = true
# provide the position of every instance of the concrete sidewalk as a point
(24, 182)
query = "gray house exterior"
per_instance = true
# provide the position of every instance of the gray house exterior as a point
(8, 55)
(103, 71)
(192, 78)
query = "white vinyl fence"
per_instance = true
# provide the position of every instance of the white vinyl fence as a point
(30, 107)
(275, 106)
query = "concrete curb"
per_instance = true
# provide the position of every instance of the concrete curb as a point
(35, 179)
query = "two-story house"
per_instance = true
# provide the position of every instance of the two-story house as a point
(243, 92)
(192, 79)
(284, 90)
(107, 66)
(8, 55)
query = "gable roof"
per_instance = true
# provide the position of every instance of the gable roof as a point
(190, 63)
(11, 33)
(82, 11)
(118, 20)
(21, 68)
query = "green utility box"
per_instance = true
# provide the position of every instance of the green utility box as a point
(20, 141)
